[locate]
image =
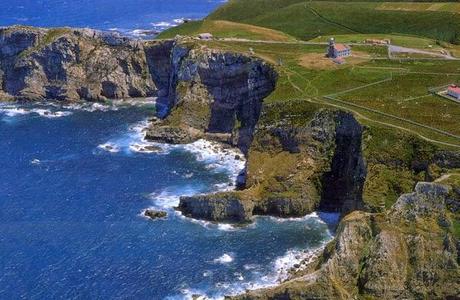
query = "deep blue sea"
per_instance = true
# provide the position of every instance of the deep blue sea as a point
(131, 17)
(73, 183)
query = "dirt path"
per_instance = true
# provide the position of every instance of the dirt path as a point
(398, 49)
(446, 176)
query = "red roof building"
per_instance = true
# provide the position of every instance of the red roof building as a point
(454, 91)
(337, 50)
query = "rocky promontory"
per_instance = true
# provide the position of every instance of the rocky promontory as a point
(83, 64)
(409, 252)
(300, 156)
(293, 171)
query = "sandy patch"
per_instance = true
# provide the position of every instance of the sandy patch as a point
(319, 61)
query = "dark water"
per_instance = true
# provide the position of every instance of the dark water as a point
(69, 213)
(127, 16)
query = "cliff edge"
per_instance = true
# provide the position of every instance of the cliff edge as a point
(410, 252)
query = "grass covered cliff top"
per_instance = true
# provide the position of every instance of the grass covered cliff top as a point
(390, 93)
(306, 20)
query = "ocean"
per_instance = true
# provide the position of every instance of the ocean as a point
(130, 17)
(75, 179)
(70, 212)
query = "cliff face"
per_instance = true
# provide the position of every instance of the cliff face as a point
(68, 64)
(407, 253)
(295, 169)
(83, 64)
(216, 95)
(206, 94)
(343, 183)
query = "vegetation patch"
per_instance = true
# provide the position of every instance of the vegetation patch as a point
(227, 29)
(307, 20)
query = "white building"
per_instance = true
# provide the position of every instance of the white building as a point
(337, 50)
(205, 36)
(454, 91)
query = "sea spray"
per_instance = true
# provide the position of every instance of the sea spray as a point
(111, 189)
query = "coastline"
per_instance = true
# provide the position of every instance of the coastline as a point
(222, 156)
(318, 158)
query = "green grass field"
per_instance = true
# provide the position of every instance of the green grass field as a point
(396, 88)
(307, 20)
(380, 91)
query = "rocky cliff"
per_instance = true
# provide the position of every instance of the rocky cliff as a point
(214, 94)
(293, 170)
(72, 64)
(300, 157)
(84, 64)
(209, 94)
(409, 252)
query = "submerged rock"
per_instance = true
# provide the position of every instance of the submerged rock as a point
(155, 214)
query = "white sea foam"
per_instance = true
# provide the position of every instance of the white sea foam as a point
(179, 21)
(35, 161)
(52, 109)
(325, 218)
(162, 24)
(51, 114)
(278, 272)
(226, 227)
(224, 259)
(250, 266)
(144, 148)
(207, 273)
(165, 199)
(218, 158)
(14, 110)
(239, 276)
(109, 147)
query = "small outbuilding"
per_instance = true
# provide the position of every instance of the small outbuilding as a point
(205, 36)
(454, 91)
(337, 50)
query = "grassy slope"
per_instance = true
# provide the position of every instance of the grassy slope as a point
(227, 29)
(307, 20)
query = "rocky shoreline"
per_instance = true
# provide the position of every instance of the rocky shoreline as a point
(295, 164)
(405, 253)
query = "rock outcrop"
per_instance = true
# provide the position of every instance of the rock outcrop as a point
(72, 64)
(294, 170)
(214, 94)
(84, 64)
(226, 206)
(155, 214)
(407, 253)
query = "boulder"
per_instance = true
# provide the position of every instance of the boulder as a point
(155, 214)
